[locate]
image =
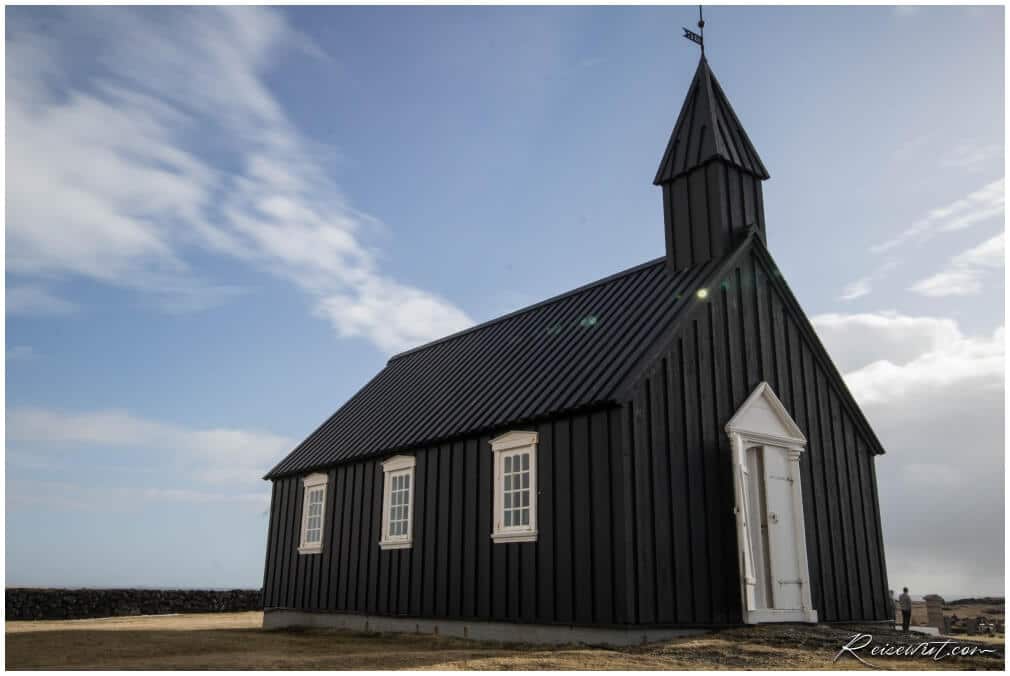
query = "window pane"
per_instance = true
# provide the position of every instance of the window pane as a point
(526, 462)
(526, 479)
(526, 498)
(508, 482)
(526, 517)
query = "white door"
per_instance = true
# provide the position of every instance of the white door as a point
(766, 443)
(772, 527)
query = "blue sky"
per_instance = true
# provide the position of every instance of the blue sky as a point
(221, 223)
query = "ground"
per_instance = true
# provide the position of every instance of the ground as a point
(236, 641)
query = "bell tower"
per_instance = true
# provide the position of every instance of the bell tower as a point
(711, 177)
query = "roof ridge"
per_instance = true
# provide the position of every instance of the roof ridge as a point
(528, 308)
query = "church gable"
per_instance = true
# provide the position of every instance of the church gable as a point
(752, 330)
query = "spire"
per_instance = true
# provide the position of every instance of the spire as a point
(711, 177)
(706, 129)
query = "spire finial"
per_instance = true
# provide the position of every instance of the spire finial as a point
(697, 38)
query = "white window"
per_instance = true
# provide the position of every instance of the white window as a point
(313, 513)
(515, 487)
(398, 503)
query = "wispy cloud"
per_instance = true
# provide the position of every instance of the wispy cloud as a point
(856, 289)
(979, 206)
(970, 156)
(174, 145)
(964, 273)
(862, 287)
(206, 454)
(36, 301)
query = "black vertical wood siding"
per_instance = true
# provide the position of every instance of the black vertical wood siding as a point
(707, 210)
(571, 574)
(685, 550)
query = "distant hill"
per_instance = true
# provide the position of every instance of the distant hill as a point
(991, 600)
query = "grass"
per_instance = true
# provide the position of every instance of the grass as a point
(235, 641)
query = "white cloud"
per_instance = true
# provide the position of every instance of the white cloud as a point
(857, 340)
(886, 356)
(963, 275)
(989, 253)
(172, 144)
(980, 205)
(964, 362)
(856, 289)
(35, 301)
(949, 283)
(206, 454)
(935, 397)
(862, 287)
(969, 156)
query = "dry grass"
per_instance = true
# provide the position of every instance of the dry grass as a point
(235, 641)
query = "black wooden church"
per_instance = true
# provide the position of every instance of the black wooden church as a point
(664, 449)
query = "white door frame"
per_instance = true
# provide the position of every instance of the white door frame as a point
(744, 432)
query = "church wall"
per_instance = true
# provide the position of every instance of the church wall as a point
(575, 573)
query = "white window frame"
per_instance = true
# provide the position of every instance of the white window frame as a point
(398, 465)
(512, 444)
(309, 484)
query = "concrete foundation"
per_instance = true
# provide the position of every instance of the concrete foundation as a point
(504, 632)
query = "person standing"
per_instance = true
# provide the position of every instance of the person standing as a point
(905, 601)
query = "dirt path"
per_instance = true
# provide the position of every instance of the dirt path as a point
(235, 641)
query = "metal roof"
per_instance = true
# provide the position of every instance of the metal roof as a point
(707, 128)
(562, 354)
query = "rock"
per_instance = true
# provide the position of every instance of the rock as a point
(45, 604)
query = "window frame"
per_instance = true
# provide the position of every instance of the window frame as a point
(399, 465)
(512, 444)
(310, 484)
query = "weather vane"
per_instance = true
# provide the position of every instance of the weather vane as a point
(697, 38)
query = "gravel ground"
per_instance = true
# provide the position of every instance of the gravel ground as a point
(235, 641)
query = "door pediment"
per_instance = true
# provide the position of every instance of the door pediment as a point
(762, 416)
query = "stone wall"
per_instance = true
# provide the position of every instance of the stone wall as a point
(61, 604)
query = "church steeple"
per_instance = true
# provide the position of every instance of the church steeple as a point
(711, 177)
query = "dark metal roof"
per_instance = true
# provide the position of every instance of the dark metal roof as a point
(565, 353)
(707, 128)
